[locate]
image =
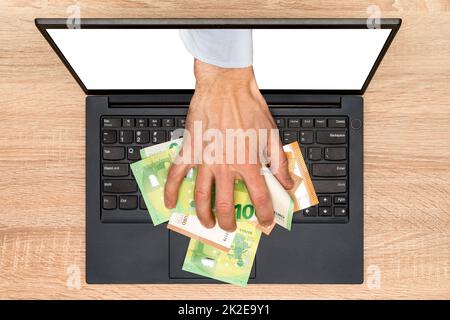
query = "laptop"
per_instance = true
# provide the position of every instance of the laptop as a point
(138, 78)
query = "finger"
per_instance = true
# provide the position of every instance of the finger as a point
(202, 197)
(224, 202)
(175, 176)
(259, 194)
(279, 164)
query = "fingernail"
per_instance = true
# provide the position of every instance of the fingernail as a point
(209, 224)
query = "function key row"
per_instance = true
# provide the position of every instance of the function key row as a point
(143, 122)
(311, 123)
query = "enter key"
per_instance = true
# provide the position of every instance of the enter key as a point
(329, 169)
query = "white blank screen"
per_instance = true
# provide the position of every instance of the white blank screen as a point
(299, 59)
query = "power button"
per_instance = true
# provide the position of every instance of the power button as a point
(356, 124)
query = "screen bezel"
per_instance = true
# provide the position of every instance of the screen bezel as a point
(44, 24)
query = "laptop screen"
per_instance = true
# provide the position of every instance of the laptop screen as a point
(286, 59)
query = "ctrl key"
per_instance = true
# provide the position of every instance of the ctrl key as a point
(128, 202)
(109, 202)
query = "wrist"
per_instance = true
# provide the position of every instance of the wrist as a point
(208, 76)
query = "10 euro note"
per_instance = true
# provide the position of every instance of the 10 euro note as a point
(234, 266)
(303, 192)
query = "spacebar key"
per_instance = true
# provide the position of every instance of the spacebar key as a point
(119, 186)
(330, 186)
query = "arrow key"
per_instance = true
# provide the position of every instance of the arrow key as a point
(324, 211)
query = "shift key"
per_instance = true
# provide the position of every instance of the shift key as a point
(119, 186)
(330, 186)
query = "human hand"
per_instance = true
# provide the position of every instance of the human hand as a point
(227, 99)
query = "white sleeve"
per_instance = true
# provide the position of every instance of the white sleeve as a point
(226, 48)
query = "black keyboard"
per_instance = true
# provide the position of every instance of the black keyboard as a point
(323, 141)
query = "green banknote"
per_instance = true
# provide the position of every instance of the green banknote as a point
(151, 175)
(234, 266)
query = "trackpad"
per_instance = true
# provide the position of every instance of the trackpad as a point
(178, 245)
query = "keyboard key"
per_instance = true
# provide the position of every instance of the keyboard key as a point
(141, 123)
(168, 122)
(325, 201)
(329, 169)
(307, 123)
(158, 136)
(142, 203)
(113, 153)
(181, 123)
(112, 122)
(310, 212)
(126, 137)
(142, 136)
(128, 202)
(340, 199)
(337, 123)
(306, 137)
(314, 153)
(115, 169)
(128, 122)
(330, 186)
(154, 123)
(294, 123)
(280, 123)
(331, 137)
(324, 211)
(340, 211)
(289, 136)
(109, 136)
(133, 153)
(335, 153)
(119, 186)
(109, 202)
(320, 123)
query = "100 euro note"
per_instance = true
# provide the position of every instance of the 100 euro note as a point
(282, 203)
(151, 176)
(234, 266)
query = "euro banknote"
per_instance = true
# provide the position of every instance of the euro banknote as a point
(183, 218)
(151, 175)
(234, 266)
(303, 192)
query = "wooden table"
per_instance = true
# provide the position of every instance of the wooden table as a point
(406, 173)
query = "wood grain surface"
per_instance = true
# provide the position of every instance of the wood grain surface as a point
(406, 155)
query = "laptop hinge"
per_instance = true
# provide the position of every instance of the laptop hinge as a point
(183, 99)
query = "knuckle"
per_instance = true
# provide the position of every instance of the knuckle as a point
(201, 195)
(172, 174)
(261, 200)
(224, 207)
